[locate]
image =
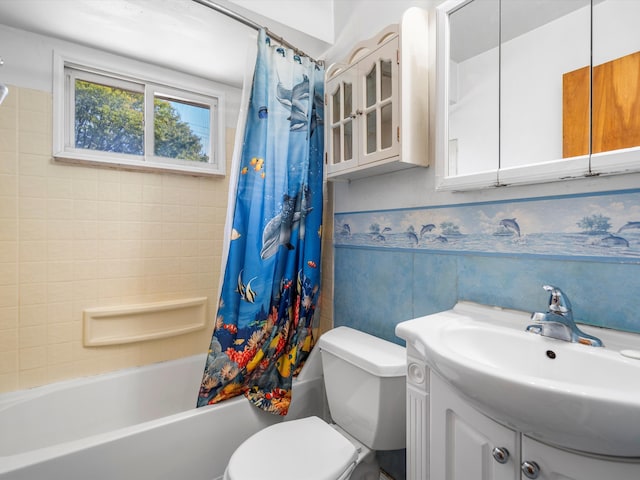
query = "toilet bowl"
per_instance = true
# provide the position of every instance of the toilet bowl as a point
(364, 379)
(306, 448)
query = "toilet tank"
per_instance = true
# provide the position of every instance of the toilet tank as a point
(365, 381)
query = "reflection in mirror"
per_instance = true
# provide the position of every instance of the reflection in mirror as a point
(474, 88)
(385, 79)
(616, 75)
(386, 111)
(348, 121)
(540, 41)
(371, 115)
(335, 124)
(342, 122)
(371, 131)
(371, 86)
(538, 90)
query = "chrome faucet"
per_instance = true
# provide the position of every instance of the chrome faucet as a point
(558, 321)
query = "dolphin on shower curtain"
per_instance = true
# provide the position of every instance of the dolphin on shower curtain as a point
(263, 330)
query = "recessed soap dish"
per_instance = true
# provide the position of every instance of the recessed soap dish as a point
(635, 354)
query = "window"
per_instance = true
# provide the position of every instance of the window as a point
(122, 120)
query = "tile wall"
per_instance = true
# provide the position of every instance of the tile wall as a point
(395, 265)
(73, 237)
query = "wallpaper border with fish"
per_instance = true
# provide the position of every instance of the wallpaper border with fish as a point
(602, 226)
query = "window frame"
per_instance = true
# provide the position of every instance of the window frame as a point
(129, 75)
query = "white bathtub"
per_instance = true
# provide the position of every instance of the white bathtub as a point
(135, 424)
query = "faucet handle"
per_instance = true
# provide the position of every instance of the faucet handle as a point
(558, 301)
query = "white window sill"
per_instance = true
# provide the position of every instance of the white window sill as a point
(126, 162)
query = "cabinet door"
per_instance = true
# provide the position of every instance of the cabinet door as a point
(463, 440)
(556, 464)
(341, 116)
(378, 75)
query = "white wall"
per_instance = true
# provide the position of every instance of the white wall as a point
(28, 63)
(357, 20)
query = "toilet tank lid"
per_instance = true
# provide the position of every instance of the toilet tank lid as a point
(372, 354)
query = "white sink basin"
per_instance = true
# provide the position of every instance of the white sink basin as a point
(571, 395)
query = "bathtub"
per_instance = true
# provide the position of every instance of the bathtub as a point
(135, 424)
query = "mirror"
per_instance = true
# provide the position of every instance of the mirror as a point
(474, 85)
(540, 41)
(516, 78)
(616, 86)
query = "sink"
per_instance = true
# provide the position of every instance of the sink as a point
(570, 395)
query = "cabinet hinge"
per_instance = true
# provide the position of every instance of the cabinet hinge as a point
(326, 158)
(398, 134)
(398, 56)
(326, 102)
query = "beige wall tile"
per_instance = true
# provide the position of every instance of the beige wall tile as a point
(8, 250)
(8, 207)
(75, 237)
(9, 362)
(32, 357)
(8, 296)
(8, 318)
(9, 340)
(32, 377)
(8, 273)
(32, 186)
(8, 381)
(33, 315)
(34, 165)
(33, 336)
(8, 185)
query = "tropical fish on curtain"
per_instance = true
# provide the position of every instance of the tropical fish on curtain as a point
(263, 330)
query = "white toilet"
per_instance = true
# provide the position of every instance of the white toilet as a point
(364, 378)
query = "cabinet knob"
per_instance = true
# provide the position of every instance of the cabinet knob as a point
(530, 469)
(500, 454)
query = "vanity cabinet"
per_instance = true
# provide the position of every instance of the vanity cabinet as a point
(376, 103)
(464, 441)
(467, 445)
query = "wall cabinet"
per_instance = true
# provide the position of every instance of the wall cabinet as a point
(376, 103)
(536, 91)
(467, 445)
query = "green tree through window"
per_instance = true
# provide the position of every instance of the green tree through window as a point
(111, 119)
(174, 137)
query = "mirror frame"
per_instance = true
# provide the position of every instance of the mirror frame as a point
(606, 163)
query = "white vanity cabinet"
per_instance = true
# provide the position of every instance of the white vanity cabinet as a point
(555, 463)
(467, 445)
(376, 103)
(464, 441)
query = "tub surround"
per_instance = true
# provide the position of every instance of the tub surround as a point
(73, 238)
(147, 321)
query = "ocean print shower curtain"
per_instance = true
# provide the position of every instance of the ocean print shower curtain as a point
(263, 330)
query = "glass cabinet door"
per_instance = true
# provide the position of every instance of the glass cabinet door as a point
(342, 113)
(378, 76)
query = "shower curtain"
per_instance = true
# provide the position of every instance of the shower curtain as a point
(263, 330)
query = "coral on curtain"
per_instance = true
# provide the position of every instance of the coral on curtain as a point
(263, 330)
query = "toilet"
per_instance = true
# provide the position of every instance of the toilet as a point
(364, 378)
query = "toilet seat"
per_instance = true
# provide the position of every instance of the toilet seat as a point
(308, 448)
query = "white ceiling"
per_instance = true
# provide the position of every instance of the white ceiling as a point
(179, 34)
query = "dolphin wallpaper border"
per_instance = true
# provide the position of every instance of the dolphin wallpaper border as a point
(602, 226)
